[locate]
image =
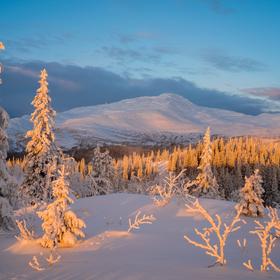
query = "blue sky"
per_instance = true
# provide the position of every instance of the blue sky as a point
(231, 46)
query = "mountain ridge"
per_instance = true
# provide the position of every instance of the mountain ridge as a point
(152, 120)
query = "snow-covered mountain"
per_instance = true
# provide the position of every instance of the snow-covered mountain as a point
(163, 119)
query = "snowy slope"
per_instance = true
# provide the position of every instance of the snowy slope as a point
(155, 252)
(147, 120)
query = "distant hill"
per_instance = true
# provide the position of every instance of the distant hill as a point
(158, 120)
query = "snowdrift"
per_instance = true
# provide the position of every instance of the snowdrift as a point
(156, 251)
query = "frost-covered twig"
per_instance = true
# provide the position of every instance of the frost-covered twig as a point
(53, 259)
(215, 250)
(267, 240)
(248, 265)
(35, 264)
(243, 244)
(25, 233)
(145, 219)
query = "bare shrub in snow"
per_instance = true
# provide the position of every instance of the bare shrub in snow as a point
(163, 193)
(251, 201)
(138, 221)
(24, 232)
(61, 226)
(218, 228)
(267, 238)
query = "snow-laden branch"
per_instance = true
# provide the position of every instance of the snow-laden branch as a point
(265, 233)
(138, 221)
(218, 228)
(248, 265)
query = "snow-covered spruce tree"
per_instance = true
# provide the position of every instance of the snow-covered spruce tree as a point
(61, 226)
(205, 183)
(251, 196)
(7, 185)
(43, 156)
(101, 178)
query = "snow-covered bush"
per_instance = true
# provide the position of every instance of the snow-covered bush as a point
(61, 226)
(6, 215)
(42, 154)
(16, 173)
(79, 185)
(217, 228)
(251, 201)
(95, 178)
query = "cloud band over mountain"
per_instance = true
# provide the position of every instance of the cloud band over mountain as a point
(73, 86)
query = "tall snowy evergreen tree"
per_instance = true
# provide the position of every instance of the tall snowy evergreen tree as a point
(251, 196)
(205, 182)
(42, 154)
(60, 225)
(7, 185)
(102, 175)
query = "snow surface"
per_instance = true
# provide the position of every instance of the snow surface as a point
(146, 120)
(156, 251)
